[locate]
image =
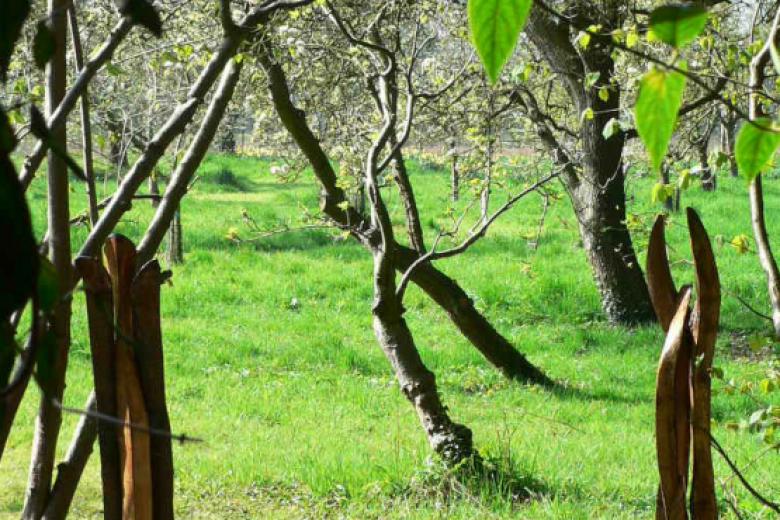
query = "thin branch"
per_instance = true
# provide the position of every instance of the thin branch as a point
(473, 238)
(180, 438)
(748, 306)
(771, 505)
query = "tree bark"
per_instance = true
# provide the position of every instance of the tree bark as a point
(708, 177)
(47, 426)
(728, 129)
(598, 192)
(454, 178)
(453, 442)
(765, 254)
(758, 219)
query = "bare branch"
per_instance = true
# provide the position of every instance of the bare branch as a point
(473, 238)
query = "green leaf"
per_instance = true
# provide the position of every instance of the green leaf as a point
(19, 254)
(741, 243)
(48, 285)
(632, 38)
(684, 181)
(755, 147)
(43, 44)
(583, 40)
(661, 192)
(46, 359)
(587, 115)
(678, 24)
(657, 105)
(14, 14)
(612, 128)
(495, 27)
(766, 386)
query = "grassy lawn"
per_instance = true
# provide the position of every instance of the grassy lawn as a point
(299, 411)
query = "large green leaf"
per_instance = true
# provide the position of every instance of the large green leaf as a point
(678, 24)
(48, 285)
(14, 14)
(19, 252)
(657, 105)
(756, 145)
(495, 26)
(43, 44)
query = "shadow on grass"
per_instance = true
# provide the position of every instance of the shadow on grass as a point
(286, 241)
(563, 392)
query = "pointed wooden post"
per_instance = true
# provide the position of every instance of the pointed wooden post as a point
(149, 357)
(683, 392)
(100, 314)
(668, 428)
(135, 445)
(704, 325)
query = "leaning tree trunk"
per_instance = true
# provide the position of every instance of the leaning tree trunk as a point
(453, 442)
(47, 426)
(443, 289)
(767, 258)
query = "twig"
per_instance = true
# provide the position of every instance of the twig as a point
(279, 231)
(180, 438)
(473, 238)
(545, 207)
(771, 505)
(748, 306)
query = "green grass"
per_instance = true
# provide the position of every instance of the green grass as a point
(300, 413)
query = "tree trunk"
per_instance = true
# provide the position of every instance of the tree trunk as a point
(454, 178)
(607, 243)
(598, 192)
(413, 224)
(69, 472)
(445, 291)
(472, 324)
(728, 129)
(175, 248)
(47, 426)
(450, 440)
(666, 179)
(599, 200)
(154, 189)
(765, 255)
(170, 205)
(708, 177)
